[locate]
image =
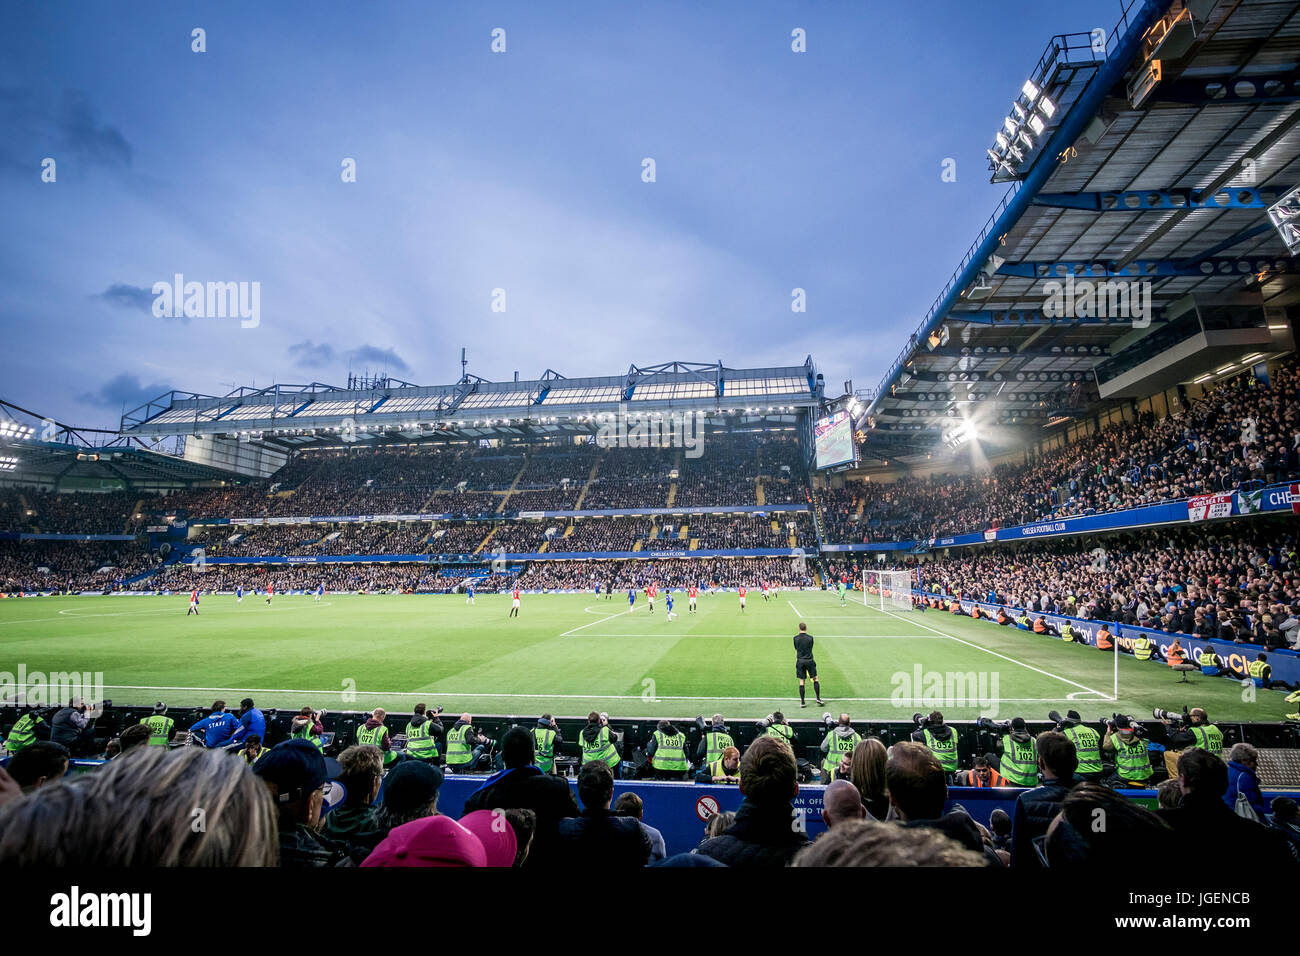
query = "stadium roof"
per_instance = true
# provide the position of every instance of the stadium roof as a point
(39, 450)
(1149, 166)
(389, 410)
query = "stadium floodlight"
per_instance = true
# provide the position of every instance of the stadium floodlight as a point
(1031, 113)
(1285, 216)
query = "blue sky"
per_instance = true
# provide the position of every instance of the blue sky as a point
(479, 171)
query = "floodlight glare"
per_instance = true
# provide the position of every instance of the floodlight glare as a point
(1036, 124)
(1046, 107)
(1030, 91)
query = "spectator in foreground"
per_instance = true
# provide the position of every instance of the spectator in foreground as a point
(918, 790)
(765, 831)
(38, 764)
(1130, 832)
(867, 773)
(429, 841)
(410, 793)
(500, 845)
(524, 785)
(1214, 836)
(1242, 761)
(629, 804)
(295, 773)
(361, 771)
(868, 843)
(598, 838)
(137, 735)
(1036, 808)
(141, 812)
(841, 803)
(717, 825)
(1286, 819)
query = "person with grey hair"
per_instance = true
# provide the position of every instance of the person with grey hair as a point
(841, 803)
(859, 843)
(146, 812)
(1243, 759)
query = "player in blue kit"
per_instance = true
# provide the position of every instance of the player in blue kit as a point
(239, 594)
(469, 594)
(631, 599)
(320, 590)
(668, 602)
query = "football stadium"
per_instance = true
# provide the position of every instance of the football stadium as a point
(727, 612)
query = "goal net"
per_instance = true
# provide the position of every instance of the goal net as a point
(887, 590)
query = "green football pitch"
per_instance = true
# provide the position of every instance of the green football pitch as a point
(572, 653)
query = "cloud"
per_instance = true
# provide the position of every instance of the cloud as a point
(124, 391)
(128, 297)
(81, 132)
(309, 355)
(387, 359)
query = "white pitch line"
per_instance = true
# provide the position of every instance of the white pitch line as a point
(426, 693)
(594, 623)
(793, 608)
(1012, 660)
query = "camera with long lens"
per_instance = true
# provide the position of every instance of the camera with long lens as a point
(1169, 717)
(994, 726)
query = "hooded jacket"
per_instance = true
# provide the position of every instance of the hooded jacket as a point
(761, 836)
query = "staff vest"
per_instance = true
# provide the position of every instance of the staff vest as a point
(306, 734)
(782, 732)
(602, 748)
(716, 741)
(1104, 640)
(1208, 737)
(945, 750)
(1142, 649)
(1131, 760)
(1256, 670)
(420, 742)
(458, 749)
(23, 733)
(544, 748)
(1173, 658)
(839, 746)
(717, 770)
(1209, 661)
(670, 752)
(374, 737)
(1019, 761)
(1087, 747)
(160, 728)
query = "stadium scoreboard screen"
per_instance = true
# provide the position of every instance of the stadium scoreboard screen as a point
(833, 440)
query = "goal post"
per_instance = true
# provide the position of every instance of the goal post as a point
(887, 590)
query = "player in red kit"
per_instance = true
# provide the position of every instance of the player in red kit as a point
(691, 594)
(194, 603)
(742, 599)
(514, 602)
(270, 591)
(650, 596)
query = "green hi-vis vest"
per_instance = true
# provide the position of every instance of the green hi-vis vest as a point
(716, 741)
(783, 732)
(1209, 659)
(670, 752)
(602, 748)
(1131, 760)
(1208, 738)
(160, 728)
(1024, 621)
(23, 733)
(420, 742)
(1087, 747)
(306, 734)
(945, 750)
(458, 749)
(1142, 649)
(374, 737)
(1019, 762)
(839, 746)
(717, 771)
(1257, 669)
(1068, 633)
(544, 748)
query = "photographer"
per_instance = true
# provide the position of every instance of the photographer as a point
(712, 742)
(775, 725)
(1087, 744)
(667, 752)
(840, 740)
(547, 741)
(599, 743)
(939, 738)
(1125, 738)
(465, 746)
(27, 729)
(1019, 763)
(72, 728)
(307, 726)
(423, 731)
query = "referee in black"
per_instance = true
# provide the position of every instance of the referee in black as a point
(804, 665)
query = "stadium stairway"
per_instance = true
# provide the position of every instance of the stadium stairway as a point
(759, 497)
(682, 534)
(591, 476)
(514, 484)
(483, 544)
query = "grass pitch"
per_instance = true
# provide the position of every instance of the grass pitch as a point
(571, 653)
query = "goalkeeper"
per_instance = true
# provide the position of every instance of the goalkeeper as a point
(843, 589)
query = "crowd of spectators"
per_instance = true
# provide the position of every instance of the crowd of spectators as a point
(1238, 433)
(27, 510)
(1237, 582)
(620, 575)
(69, 565)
